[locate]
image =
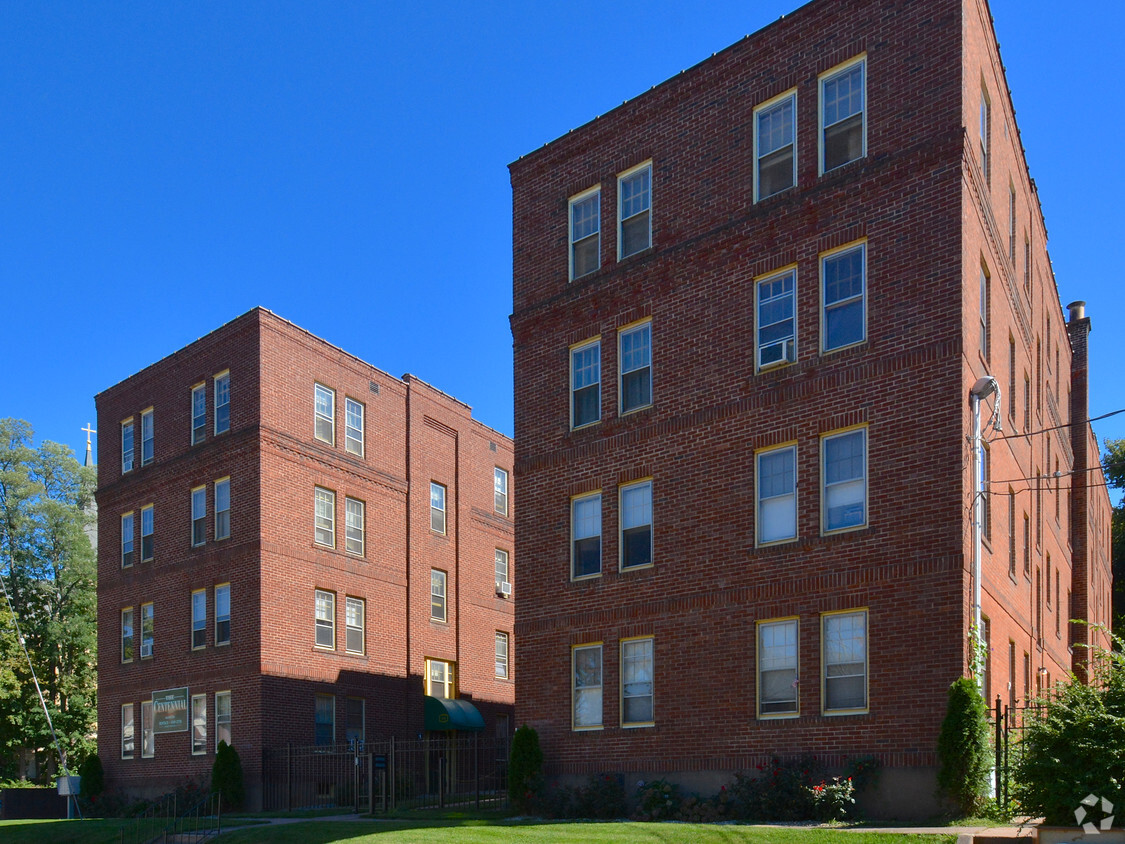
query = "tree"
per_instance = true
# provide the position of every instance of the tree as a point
(1113, 462)
(49, 572)
(963, 746)
(525, 769)
(226, 776)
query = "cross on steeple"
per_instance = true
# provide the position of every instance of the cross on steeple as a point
(89, 429)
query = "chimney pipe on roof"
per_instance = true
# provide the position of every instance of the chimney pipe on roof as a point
(1077, 310)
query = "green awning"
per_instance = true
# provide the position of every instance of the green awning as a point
(445, 714)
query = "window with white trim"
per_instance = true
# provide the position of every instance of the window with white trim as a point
(148, 630)
(585, 233)
(324, 405)
(127, 530)
(843, 288)
(634, 206)
(199, 515)
(503, 578)
(353, 426)
(586, 686)
(500, 490)
(636, 682)
(222, 402)
(147, 437)
(985, 306)
(985, 127)
(585, 384)
(354, 527)
(844, 467)
(586, 535)
(777, 668)
(635, 356)
(354, 611)
(222, 718)
(198, 619)
(127, 731)
(148, 737)
(842, 115)
(198, 725)
(636, 525)
(325, 619)
(325, 720)
(222, 508)
(440, 679)
(1012, 224)
(354, 717)
(437, 595)
(198, 413)
(127, 446)
(325, 529)
(127, 634)
(148, 527)
(501, 654)
(776, 478)
(845, 661)
(777, 321)
(222, 614)
(437, 507)
(775, 146)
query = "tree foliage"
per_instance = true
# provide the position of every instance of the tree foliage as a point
(226, 776)
(1113, 462)
(49, 571)
(963, 746)
(525, 769)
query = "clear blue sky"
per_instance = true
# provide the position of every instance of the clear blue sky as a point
(166, 166)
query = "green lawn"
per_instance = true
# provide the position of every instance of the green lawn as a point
(73, 832)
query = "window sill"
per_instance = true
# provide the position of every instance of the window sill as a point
(585, 426)
(641, 726)
(595, 728)
(583, 577)
(839, 713)
(627, 569)
(622, 412)
(787, 716)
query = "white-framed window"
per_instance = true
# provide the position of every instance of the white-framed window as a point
(586, 686)
(503, 576)
(843, 129)
(127, 634)
(354, 526)
(126, 731)
(777, 668)
(844, 640)
(325, 720)
(198, 619)
(636, 525)
(147, 437)
(843, 283)
(354, 611)
(635, 357)
(634, 210)
(353, 426)
(500, 490)
(636, 682)
(777, 318)
(198, 413)
(222, 402)
(222, 508)
(325, 529)
(985, 127)
(586, 384)
(440, 679)
(148, 630)
(354, 718)
(198, 725)
(1012, 226)
(775, 130)
(502, 654)
(325, 619)
(586, 535)
(148, 527)
(437, 507)
(984, 310)
(844, 486)
(437, 594)
(127, 448)
(324, 404)
(776, 479)
(585, 233)
(148, 737)
(199, 515)
(222, 614)
(127, 531)
(222, 718)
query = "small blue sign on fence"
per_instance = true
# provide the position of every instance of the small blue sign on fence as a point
(380, 763)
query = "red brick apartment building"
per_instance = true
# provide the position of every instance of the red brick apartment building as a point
(306, 543)
(749, 307)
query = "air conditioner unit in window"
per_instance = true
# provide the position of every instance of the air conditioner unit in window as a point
(146, 649)
(504, 588)
(774, 354)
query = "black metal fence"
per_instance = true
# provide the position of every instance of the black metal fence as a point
(1008, 722)
(444, 770)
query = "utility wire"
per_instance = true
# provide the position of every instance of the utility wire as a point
(1058, 427)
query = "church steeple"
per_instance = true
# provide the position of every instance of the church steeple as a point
(89, 429)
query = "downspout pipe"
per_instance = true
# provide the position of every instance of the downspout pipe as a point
(982, 389)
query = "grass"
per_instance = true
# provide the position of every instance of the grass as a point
(99, 831)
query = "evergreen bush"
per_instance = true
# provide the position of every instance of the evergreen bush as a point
(525, 769)
(93, 777)
(963, 749)
(226, 776)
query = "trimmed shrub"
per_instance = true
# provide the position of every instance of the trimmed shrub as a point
(93, 777)
(963, 748)
(226, 776)
(781, 792)
(525, 769)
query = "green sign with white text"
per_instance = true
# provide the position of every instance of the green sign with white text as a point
(170, 711)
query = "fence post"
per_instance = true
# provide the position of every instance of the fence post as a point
(289, 777)
(476, 767)
(370, 783)
(999, 748)
(391, 774)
